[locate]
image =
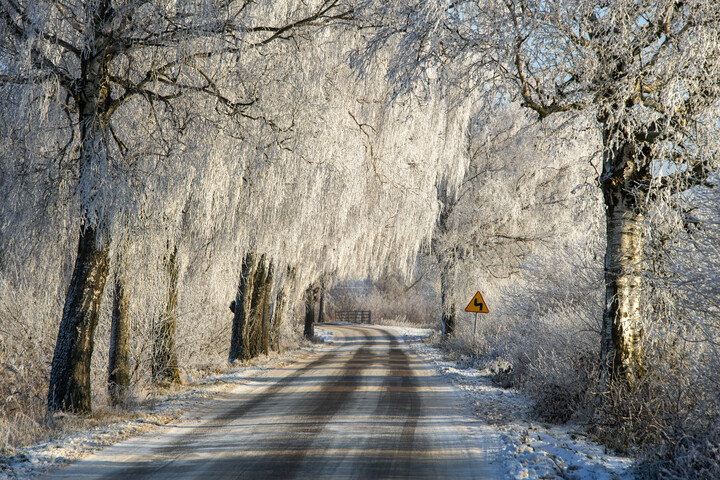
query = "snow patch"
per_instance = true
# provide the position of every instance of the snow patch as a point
(325, 335)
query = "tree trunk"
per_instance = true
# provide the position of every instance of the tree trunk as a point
(621, 331)
(310, 297)
(119, 363)
(276, 323)
(242, 308)
(321, 308)
(278, 312)
(251, 320)
(70, 374)
(255, 328)
(446, 262)
(69, 387)
(267, 290)
(449, 314)
(164, 358)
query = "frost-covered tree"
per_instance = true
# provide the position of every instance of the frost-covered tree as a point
(81, 63)
(514, 201)
(647, 72)
(338, 178)
(357, 177)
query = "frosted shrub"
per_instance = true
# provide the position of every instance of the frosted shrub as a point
(553, 331)
(25, 347)
(673, 413)
(681, 438)
(670, 417)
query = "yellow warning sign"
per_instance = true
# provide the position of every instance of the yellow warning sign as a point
(477, 304)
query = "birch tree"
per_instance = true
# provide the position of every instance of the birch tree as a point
(647, 72)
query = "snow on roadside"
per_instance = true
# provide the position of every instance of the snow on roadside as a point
(30, 462)
(531, 450)
(324, 334)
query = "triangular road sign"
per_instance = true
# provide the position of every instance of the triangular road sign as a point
(477, 304)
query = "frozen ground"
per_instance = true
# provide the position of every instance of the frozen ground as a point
(531, 450)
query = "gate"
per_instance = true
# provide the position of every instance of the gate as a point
(353, 316)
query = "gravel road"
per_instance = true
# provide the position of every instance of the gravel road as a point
(362, 407)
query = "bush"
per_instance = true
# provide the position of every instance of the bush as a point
(551, 336)
(670, 417)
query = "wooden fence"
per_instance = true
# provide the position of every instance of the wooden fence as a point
(353, 316)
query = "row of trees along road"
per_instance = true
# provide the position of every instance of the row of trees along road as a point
(646, 72)
(172, 139)
(195, 132)
(89, 60)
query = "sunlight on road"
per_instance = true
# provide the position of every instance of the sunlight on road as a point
(362, 407)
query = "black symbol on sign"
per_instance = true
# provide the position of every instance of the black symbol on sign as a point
(478, 304)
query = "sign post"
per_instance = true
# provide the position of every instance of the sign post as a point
(476, 305)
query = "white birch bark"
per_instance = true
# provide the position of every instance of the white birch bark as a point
(624, 254)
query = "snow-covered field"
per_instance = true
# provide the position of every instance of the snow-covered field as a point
(530, 449)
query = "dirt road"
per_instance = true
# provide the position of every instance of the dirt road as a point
(362, 407)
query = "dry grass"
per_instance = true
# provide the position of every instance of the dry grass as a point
(24, 370)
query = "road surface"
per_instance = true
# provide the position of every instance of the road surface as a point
(362, 407)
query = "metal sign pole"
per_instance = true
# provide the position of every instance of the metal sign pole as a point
(474, 331)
